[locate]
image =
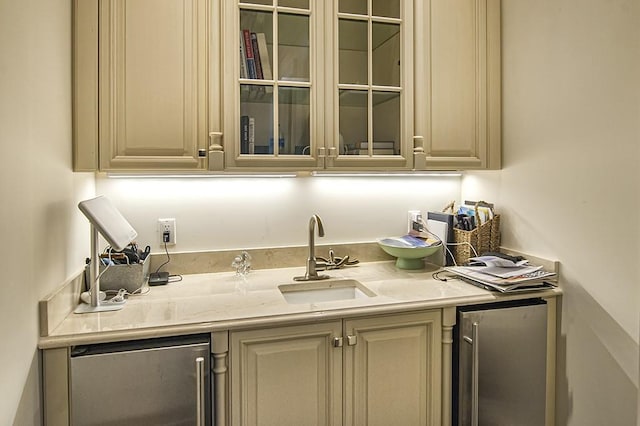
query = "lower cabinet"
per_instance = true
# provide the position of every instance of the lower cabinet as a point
(376, 370)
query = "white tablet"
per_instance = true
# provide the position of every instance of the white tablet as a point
(108, 221)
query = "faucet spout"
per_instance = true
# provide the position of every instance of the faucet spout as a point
(311, 273)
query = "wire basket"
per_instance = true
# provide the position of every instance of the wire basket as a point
(130, 277)
(483, 238)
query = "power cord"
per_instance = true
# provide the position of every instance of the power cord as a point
(445, 245)
(176, 277)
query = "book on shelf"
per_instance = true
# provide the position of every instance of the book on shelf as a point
(243, 58)
(263, 54)
(252, 135)
(256, 56)
(244, 134)
(251, 65)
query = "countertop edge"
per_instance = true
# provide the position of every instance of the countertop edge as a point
(61, 341)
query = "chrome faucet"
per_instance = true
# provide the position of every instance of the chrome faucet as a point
(312, 273)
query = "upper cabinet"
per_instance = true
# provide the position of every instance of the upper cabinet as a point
(141, 81)
(291, 85)
(314, 85)
(458, 85)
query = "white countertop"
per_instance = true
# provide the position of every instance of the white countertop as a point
(223, 301)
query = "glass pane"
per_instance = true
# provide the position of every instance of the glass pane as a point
(293, 53)
(294, 128)
(300, 4)
(269, 2)
(353, 122)
(353, 44)
(256, 118)
(353, 6)
(386, 123)
(386, 54)
(256, 44)
(386, 8)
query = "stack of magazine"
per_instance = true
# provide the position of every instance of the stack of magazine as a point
(504, 275)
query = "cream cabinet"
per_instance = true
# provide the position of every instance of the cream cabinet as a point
(373, 370)
(313, 85)
(142, 75)
(286, 85)
(458, 85)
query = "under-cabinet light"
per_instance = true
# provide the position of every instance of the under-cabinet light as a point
(387, 174)
(199, 175)
(281, 175)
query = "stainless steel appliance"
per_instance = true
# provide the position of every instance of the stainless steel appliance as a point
(162, 381)
(500, 353)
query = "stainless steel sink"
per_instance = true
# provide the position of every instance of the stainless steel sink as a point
(324, 291)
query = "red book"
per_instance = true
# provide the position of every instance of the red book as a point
(251, 65)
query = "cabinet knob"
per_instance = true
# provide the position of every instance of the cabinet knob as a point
(352, 340)
(337, 342)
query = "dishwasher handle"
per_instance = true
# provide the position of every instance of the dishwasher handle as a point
(474, 341)
(200, 392)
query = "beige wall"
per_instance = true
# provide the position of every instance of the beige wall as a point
(571, 115)
(569, 187)
(44, 239)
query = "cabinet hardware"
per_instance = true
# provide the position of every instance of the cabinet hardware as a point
(200, 392)
(337, 342)
(475, 368)
(352, 340)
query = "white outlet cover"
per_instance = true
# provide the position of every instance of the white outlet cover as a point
(168, 224)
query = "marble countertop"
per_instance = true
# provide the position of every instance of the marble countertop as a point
(224, 301)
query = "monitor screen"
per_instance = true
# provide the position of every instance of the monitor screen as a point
(108, 221)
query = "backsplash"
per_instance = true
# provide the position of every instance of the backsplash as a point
(259, 212)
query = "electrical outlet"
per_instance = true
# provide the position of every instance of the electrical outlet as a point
(414, 221)
(167, 231)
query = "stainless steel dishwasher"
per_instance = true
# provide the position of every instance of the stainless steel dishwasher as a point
(164, 381)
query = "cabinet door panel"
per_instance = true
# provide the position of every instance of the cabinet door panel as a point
(286, 376)
(393, 371)
(152, 84)
(460, 123)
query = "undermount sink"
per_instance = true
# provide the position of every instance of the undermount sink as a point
(324, 291)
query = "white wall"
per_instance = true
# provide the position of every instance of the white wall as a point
(228, 213)
(569, 187)
(44, 238)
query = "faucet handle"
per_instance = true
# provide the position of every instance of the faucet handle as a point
(242, 263)
(321, 265)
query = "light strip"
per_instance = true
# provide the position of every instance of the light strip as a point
(387, 174)
(200, 175)
(282, 175)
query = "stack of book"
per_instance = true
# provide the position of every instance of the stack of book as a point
(503, 275)
(254, 56)
(379, 148)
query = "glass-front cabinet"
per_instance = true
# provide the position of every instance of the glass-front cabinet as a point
(312, 85)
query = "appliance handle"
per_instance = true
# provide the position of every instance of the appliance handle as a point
(475, 371)
(200, 392)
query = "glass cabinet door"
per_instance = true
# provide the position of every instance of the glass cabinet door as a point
(373, 56)
(274, 87)
(317, 84)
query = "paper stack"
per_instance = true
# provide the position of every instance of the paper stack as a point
(504, 275)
